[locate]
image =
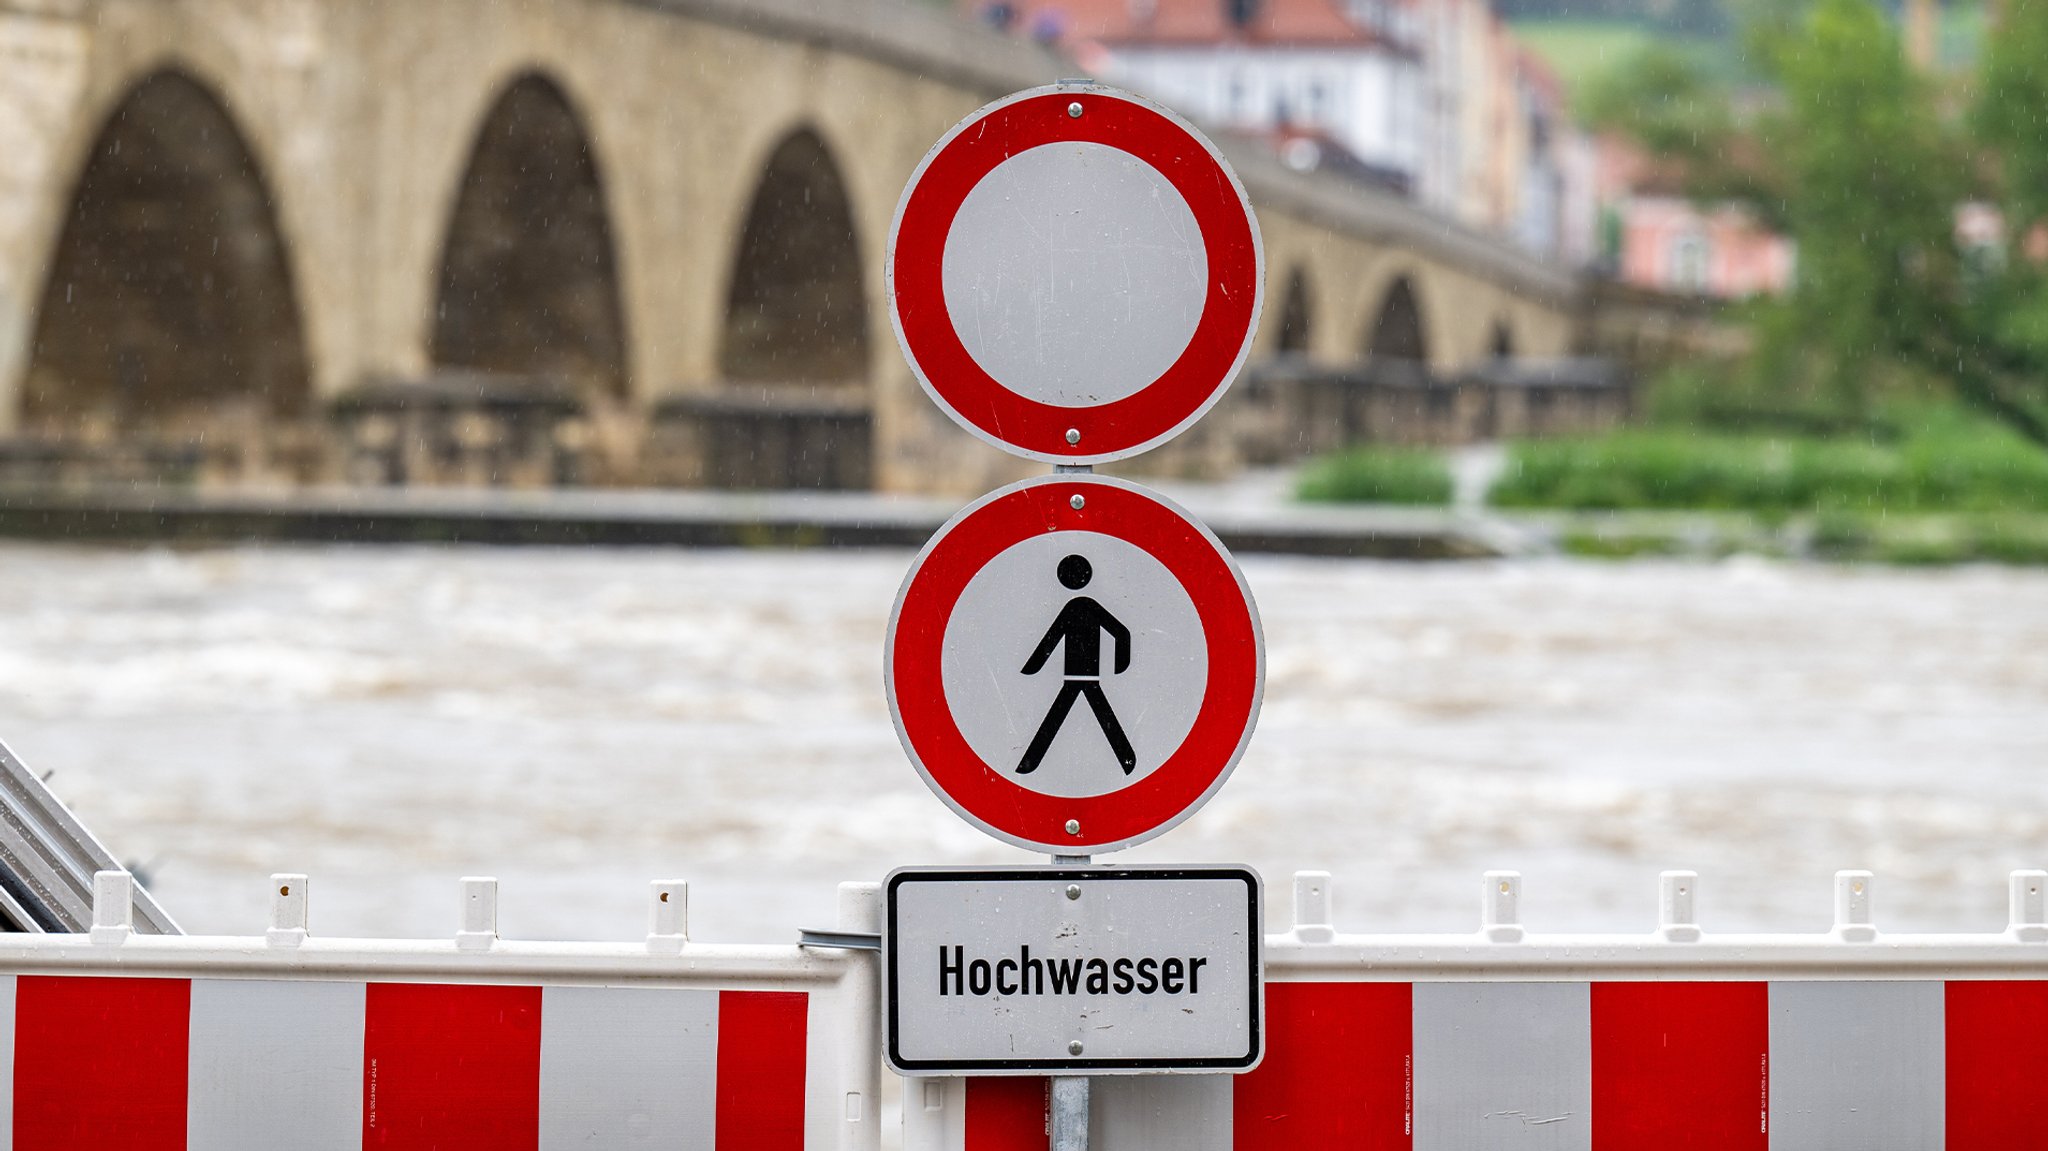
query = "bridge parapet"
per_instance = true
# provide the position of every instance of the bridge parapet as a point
(383, 247)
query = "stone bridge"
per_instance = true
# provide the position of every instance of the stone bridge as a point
(221, 214)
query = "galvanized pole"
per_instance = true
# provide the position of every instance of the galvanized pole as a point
(1070, 1113)
(1070, 1092)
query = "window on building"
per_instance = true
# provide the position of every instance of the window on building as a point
(1689, 253)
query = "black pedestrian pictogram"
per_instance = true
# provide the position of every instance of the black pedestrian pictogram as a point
(1079, 626)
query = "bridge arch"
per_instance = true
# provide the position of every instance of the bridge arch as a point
(169, 298)
(525, 300)
(796, 299)
(1297, 317)
(1399, 330)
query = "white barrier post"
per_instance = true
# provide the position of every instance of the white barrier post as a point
(479, 928)
(1853, 922)
(113, 907)
(1500, 907)
(860, 912)
(2028, 900)
(287, 910)
(668, 916)
(1312, 923)
(927, 1105)
(1677, 891)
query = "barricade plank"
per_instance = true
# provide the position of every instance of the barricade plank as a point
(624, 1066)
(1502, 1065)
(1997, 1040)
(1856, 1065)
(1680, 1066)
(1337, 1072)
(1179, 1112)
(1006, 1114)
(451, 1067)
(125, 1037)
(275, 1063)
(761, 1068)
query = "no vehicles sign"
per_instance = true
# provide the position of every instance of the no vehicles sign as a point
(1075, 274)
(1074, 665)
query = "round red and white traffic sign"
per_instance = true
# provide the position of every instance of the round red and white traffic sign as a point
(1075, 274)
(1074, 664)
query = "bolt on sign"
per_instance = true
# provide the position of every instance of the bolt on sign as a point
(1074, 664)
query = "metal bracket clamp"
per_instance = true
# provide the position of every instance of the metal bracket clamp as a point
(843, 940)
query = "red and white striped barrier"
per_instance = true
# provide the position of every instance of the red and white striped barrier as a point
(1675, 1040)
(142, 1041)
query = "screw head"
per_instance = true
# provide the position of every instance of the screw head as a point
(1073, 435)
(1073, 891)
(1073, 827)
(1078, 502)
(1074, 110)
(1074, 1048)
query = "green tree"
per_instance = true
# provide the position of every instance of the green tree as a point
(1666, 99)
(1870, 181)
(1854, 158)
(2005, 353)
(1661, 97)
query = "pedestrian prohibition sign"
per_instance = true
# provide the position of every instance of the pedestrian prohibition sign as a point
(1074, 274)
(1074, 665)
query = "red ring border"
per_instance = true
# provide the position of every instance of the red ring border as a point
(983, 794)
(976, 399)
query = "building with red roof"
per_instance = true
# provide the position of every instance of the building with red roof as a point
(1335, 73)
(1434, 99)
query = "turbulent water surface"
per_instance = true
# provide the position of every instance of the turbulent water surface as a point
(580, 722)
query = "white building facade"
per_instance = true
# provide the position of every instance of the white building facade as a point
(1366, 100)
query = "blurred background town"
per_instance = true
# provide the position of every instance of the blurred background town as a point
(1715, 330)
(1781, 258)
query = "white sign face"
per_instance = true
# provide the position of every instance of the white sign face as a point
(1075, 274)
(1028, 970)
(1094, 712)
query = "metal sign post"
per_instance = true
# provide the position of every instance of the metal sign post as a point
(1074, 665)
(1068, 1102)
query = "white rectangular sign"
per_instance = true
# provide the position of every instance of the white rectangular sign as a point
(1025, 970)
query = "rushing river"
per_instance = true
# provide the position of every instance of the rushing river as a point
(580, 722)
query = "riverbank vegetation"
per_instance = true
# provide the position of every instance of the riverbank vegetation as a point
(1893, 405)
(1917, 460)
(1378, 475)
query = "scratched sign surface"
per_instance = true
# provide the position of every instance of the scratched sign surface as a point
(1029, 969)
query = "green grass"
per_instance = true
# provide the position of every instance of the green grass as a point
(1933, 540)
(1981, 471)
(1378, 475)
(1610, 545)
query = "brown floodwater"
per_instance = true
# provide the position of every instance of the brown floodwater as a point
(580, 722)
